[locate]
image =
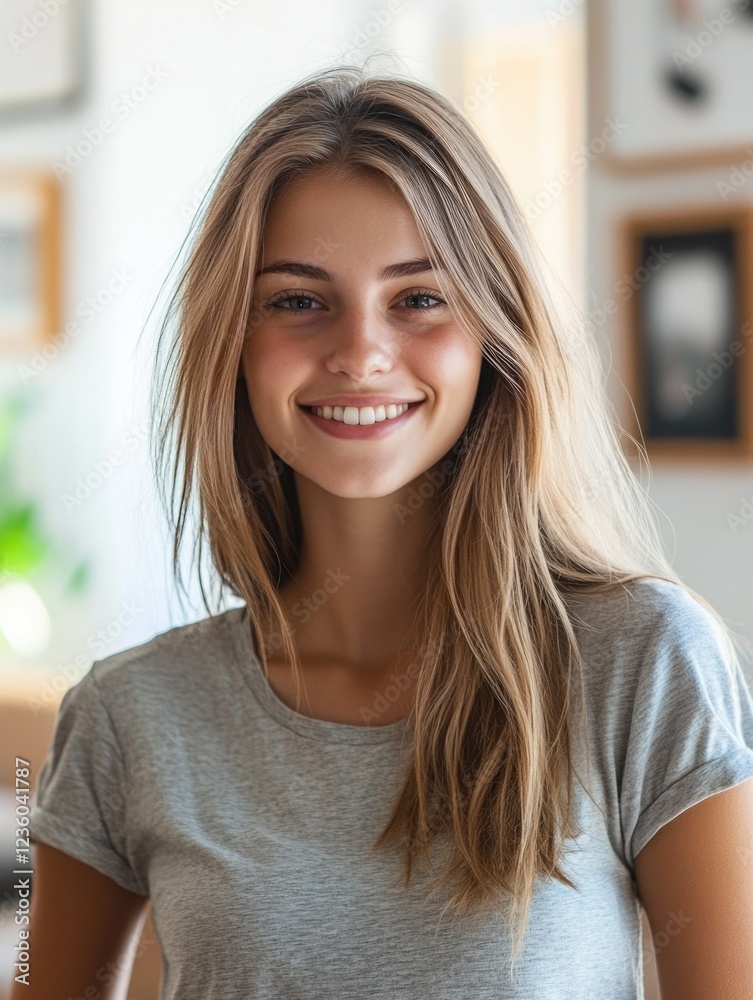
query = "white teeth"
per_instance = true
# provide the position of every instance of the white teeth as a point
(360, 415)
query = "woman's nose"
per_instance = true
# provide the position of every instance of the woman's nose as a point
(361, 343)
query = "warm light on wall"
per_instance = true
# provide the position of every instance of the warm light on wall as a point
(24, 620)
(531, 114)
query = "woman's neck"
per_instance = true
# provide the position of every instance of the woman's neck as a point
(361, 575)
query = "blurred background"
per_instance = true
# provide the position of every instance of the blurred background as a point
(626, 134)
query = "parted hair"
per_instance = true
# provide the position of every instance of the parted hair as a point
(537, 501)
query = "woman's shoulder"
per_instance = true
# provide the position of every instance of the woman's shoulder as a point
(651, 649)
(646, 636)
(169, 656)
(670, 715)
(648, 609)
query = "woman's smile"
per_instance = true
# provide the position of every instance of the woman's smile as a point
(343, 425)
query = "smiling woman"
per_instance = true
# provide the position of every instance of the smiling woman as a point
(454, 604)
(360, 339)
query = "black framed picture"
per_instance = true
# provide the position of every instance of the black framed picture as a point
(689, 330)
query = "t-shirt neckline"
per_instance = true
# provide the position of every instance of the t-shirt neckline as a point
(319, 729)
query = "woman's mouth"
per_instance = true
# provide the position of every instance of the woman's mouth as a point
(381, 421)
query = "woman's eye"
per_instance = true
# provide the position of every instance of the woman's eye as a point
(296, 297)
(423, 294)
(302, 302)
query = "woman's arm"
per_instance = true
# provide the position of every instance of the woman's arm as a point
(695, 880)
(81, 925)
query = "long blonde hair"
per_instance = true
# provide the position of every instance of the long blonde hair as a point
(540, 500)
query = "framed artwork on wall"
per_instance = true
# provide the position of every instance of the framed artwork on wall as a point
(45, 65)
(30, 260)
(688, 283)
(674, 74)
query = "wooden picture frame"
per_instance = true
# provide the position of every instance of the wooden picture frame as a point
(674, 84)
(687, 282)
(30, 261)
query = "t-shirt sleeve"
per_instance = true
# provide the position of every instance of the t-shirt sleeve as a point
(691, 726)
(79, 804)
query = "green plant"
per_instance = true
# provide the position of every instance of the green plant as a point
(24, 546)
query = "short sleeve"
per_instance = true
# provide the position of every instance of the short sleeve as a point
(691, 727)
(79, 801)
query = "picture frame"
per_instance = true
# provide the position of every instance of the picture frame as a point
(45, 70)
(688, 328)
(30, 260)
(673, 82)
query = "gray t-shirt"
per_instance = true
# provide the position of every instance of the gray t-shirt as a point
(176, 770)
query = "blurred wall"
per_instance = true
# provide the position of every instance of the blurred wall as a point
(693, 497)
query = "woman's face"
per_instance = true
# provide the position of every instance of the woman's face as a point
(337, 322)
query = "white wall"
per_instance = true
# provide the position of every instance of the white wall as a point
(694, 497)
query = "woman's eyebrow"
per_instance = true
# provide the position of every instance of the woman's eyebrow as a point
(401, 270)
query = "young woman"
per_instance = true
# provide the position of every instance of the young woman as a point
(466, 718)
